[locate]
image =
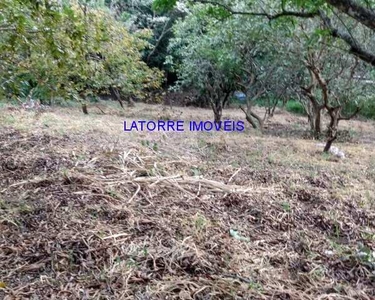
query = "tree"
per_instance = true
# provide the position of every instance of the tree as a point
(257, 68)
(325, 77)
(232, 55)
(204, 60)
(341, 17)
(340, 80)
(72, 50)
(140, 15)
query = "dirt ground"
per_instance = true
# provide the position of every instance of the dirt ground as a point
(88, 211)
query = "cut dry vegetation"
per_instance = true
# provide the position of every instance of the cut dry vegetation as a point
(90, 212)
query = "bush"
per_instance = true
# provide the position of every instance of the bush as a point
(295, 107)
(367, 109)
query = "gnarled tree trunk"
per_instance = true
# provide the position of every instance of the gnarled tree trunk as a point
(218, 112)
(316, 125)
(217, 105)
(249, 114)
(313, 108)
(334, 114)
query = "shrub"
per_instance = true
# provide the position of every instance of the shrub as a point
(295, 107)
(367, 109)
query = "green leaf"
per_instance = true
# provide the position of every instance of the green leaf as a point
(237, 236)
(163, 5)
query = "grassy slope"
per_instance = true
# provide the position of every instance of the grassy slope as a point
(87, 210)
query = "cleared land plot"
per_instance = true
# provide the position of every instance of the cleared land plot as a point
(90, 212)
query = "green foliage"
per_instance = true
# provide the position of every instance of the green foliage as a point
(163, 5)
(234, 233)
(307, 5)
(218, 12)
(367, 109)
(201, 41)
(295, 107)
(71, 50)
(286, 206)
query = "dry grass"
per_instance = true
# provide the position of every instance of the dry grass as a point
(90, 212)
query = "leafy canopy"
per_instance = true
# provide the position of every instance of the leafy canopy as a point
(70, 49)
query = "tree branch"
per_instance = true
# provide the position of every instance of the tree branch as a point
(164, 32)
(283, 13)
(357, 110)
(351, 8)
(5, 28)
(363, 15)
(355, 48)
(321, 81)
(358, 12)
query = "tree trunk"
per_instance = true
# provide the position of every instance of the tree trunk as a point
(315, 119)
(317, 122)
(334, 114)
(310, 119)
(272, 112)
(117, 95)
(217, 107)
(218, 112)
(131, 102)
(329, 144)
(313, 108)
(249, 113)
(259, 119)
(249, 118)
(84, 109)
